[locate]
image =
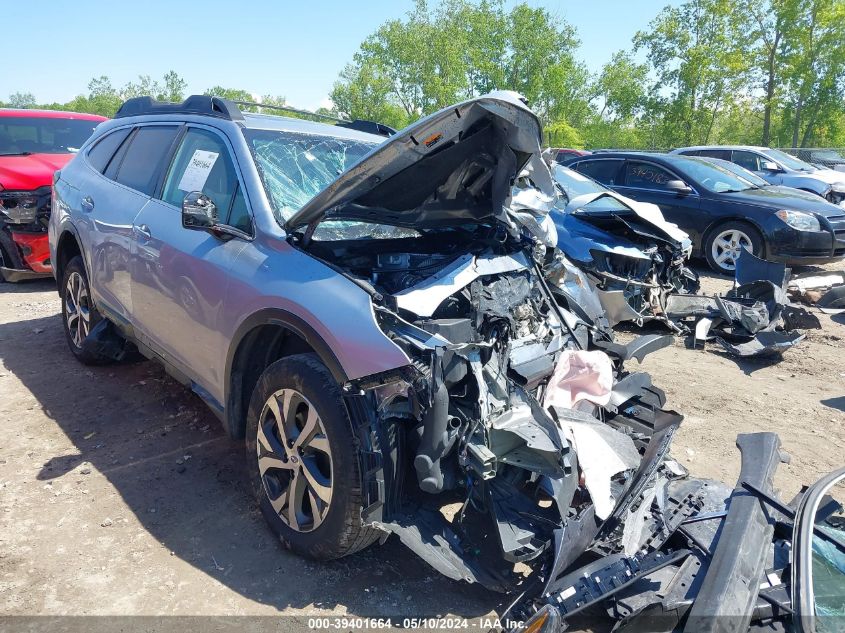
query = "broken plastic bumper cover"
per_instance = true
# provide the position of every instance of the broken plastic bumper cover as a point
(725, 599)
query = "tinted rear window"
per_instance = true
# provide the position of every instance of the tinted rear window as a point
(721, 154)
(105, 148)
(605, 171)
(145, 157)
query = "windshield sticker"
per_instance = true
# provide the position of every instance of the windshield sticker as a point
(199, 167)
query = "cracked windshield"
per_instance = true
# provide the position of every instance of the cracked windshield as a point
(296, 167)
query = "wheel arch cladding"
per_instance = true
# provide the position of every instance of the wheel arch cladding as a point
(260, 340)
(66, 249)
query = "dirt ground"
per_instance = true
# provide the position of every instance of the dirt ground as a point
(120, 494)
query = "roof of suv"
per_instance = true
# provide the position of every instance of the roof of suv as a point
(302, 126)
(210, 108)
(50, 114)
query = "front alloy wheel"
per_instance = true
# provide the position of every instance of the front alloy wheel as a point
(303, 459)
(295, 460)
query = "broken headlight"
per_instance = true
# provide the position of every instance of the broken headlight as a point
(18, 207)
(799, 221)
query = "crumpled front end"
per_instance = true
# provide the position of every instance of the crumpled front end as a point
(24, 250)
(515, 433)
(631, 256)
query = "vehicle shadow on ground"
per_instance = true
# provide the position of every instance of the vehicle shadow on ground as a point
(167, 457)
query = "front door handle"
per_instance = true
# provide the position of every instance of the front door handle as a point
(88, 203)
(144, 230)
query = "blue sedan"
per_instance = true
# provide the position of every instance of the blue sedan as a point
(722, 211)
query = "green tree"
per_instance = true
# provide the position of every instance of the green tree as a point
(22, 100)
(817, 68)
(435, 57)
(621, 87)
(364, 92)
(697, 55)
(174, 87)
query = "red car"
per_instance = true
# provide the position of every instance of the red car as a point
(33, 145)
(564, 154)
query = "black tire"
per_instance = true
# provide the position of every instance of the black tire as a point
(75, 270)
(758, 245)
(341, 531)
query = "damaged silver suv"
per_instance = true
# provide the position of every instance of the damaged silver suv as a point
(372, 318)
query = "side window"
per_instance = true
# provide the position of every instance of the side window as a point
(100, 155)
(749, 160)
(723, 154)
(203, 163)
(646, 175)
(144, 158)
(606, 171)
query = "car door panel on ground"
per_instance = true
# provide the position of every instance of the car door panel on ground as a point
(647, 182)
(177, 292)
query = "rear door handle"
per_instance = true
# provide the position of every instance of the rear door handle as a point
(144, 230)
(88, 203)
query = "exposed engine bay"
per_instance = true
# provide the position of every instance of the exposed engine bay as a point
(481, 424)
(23, 233)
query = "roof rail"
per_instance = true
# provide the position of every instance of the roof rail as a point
(196, 104)
(225, 109)
(361, 125)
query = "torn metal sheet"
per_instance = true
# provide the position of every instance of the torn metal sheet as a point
(617, 309)
(423, 298)
(833, 299)
(751, 268)
(604, 453)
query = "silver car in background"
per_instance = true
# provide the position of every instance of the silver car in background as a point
(777, 168)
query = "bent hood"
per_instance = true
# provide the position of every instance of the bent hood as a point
(453, 167)
(777, 198)
(829, 176)
(25, 173)
(646, 211)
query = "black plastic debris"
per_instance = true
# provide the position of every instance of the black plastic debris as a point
(763, 344)
(750, 268)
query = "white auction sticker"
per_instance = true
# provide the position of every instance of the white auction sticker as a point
(197, 171)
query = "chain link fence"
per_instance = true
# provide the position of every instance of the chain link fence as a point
(830, 157)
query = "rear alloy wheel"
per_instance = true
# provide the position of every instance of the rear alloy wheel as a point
(726, 243)
(78, 312)
(303, 461)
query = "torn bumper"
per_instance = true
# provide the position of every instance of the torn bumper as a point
(660, 586)
(28, 253)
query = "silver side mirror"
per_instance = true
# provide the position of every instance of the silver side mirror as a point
(199, 211)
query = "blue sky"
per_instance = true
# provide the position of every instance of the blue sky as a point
(294, 49)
